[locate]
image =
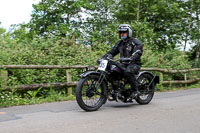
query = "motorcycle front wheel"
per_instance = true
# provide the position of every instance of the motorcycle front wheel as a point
(90, 94)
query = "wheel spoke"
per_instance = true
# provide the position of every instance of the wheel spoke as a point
(146, 90)
(91, 94)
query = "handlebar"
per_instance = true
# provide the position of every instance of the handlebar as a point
(120, 59)
(113, 60)
(120, 65)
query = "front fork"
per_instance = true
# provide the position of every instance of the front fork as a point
(101, 79)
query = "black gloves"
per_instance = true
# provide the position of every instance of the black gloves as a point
(99, 61)
(125, 59)
(108, 56)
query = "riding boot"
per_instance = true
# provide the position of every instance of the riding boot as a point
(134, 92)
(133, 82)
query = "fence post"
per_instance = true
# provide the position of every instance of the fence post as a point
(161, 80)
(185, 78)
(69, 79)
(3, 77)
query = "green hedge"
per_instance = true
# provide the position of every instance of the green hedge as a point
(65, 52)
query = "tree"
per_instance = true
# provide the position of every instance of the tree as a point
(160, 15)
(100, 25)
(2, 31)
(20, 32)
(194, 14)
(57, 17)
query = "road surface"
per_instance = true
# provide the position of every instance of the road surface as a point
(168, 112)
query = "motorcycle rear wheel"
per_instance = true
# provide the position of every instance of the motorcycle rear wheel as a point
(90, 96)
(146, 93)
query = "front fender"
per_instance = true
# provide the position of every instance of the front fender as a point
(86, 73)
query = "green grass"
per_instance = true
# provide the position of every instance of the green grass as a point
(174, 88)
(8, 99)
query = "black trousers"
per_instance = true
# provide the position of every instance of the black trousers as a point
(129, 73)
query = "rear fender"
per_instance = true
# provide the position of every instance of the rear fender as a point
(156, 79)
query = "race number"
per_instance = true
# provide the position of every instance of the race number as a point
(103, 65)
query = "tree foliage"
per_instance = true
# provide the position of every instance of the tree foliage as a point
(160, 23)
(58, 17)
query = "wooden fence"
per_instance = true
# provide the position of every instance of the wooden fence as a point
(69, 84)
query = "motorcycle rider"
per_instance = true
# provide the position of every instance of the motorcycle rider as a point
(130, 50)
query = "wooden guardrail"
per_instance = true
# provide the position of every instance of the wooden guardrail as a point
(4, 76)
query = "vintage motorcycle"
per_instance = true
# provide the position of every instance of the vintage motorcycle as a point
(108, 82)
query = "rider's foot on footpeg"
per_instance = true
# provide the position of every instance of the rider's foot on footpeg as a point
(134, 94)
(130, 100)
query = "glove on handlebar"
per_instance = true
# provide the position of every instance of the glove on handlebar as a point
(99, 61)
(125, 59)
(108, 56)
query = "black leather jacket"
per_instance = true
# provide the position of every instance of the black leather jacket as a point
(132, 49)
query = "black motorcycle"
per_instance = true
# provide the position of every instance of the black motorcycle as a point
(108, 82)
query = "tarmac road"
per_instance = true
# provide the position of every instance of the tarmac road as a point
(168, 112)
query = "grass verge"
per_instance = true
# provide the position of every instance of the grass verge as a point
(8, 99)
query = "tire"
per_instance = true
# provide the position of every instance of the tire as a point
(145, 95)
(86, 91)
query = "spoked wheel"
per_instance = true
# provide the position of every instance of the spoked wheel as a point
(146, 91)
(90, 95)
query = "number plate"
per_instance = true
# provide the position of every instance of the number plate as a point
(103, 65)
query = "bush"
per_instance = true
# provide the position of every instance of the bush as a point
(53, 51)
(47, 52)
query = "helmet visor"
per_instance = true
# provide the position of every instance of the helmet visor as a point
(122, 30)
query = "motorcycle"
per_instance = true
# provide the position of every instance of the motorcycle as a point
(108, 83)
